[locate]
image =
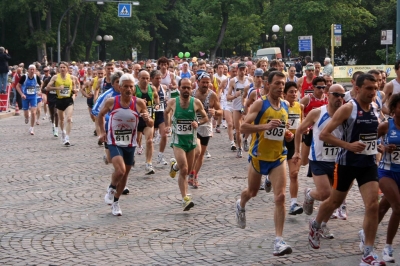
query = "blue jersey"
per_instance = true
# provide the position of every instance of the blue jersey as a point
(101, 101)
(360, 126)
(391, 161)
(30, 87)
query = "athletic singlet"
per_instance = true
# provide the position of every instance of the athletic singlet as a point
(306, 87)
(360, 126)
(251, 89)
(320, 150)
(185, 74)
(237, 102)
(347, 96)
(122, 125)
(148, 96)
(314, 103)
(105, 86)
(205, 130)
(391, 161)
(294, 80)
(95, 81)
(161, 96)
(269, 145)
(166, 80)
(215, 85)
(81, 75)
(396, 86)
(29, 88)
(378, 100)
(182, 132)
(294, 116)
(66, 83)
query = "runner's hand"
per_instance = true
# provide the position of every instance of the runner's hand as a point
(273, 124)
(195, 124)
(356, 146)
(389, 148)
(296, 157)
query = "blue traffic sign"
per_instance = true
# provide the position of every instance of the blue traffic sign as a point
(337, 29)
(304, 45)
(124, 10)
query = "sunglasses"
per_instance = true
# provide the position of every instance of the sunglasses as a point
(148, 67)
(320, 87)
(337, 95)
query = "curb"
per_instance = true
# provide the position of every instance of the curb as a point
(7, 114)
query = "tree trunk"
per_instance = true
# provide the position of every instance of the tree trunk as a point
(71, 38)
(89, 43)
(221, 35)
(153, 42)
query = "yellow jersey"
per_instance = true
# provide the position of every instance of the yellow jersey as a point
(269, 145)
(66, 83)
(94, 83)
(294, 117)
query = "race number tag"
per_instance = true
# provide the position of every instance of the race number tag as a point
(241, 90)
(123, 137)
(370, 140)
(38, 90)
(395, 156)
(294, 121)
(65, 92)
(329, 152)
(150, 110)
(277, 133)
(30, 90)
(161, 106)
(184, 127)
(52, 92)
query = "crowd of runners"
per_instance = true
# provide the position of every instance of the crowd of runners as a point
(282, 119)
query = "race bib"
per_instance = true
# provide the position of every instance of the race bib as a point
(395, 156)
(123, 137)
(241, 90)
(277, 133)
(329, 152)
(150, 110)
(184, 127)
(161, 106)
(81, 78)
(30, 90)
(53, 92)
(65, 92)
(294, 121)
(370, 140)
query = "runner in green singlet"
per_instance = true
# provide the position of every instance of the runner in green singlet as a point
(183, 110)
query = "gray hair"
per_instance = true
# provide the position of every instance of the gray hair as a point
(233, 66)
(126, 77)
(2, 49)
(327, 59)
(116, 75)
(32, 66)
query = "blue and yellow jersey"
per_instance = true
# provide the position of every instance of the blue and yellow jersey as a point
(269, 145)
(294, 117)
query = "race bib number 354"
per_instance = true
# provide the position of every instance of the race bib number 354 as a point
(184, 127)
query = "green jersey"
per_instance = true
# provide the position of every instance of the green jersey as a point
(184, 135)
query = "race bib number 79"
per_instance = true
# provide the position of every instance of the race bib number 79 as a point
(370, 140)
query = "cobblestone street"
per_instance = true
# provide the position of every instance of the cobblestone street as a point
(52, 210)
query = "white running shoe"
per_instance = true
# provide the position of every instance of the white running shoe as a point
(66, 141)
(308, 204)
(371, 259)
(334, 215)
(149, 169)
(161, 159)
(313, 236)
(115, 209)
(208, 155)
(240, 215)
(325, 233)
(63, 134)
(281, 248)
(31, 131)
(157, 139)
(342, 212)
(109, 197)
(387, 255)
(362, 239)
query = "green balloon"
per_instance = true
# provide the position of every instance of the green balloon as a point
(187, 54)
(180, 54)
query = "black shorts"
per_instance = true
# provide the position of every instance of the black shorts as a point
(89, 102)
(322, 168)
(51, 104)
(127, 153)
(307, 139)
(62, 104)
(344, 176)
(159, 119)
(141, 125)
(203, 140)
(290, 149)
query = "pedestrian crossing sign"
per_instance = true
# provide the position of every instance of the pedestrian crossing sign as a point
(124, 10)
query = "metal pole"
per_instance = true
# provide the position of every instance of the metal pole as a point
(332, 47)
(58, 35)
(398, 31)
(387, 51)
(312, 48)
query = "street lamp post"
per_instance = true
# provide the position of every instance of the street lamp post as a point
(288, 28)
(107, 38)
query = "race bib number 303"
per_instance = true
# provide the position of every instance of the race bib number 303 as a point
(370, 140)
(184, 127)
(277, 133)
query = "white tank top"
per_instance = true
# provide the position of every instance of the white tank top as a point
(321, 151)
(396, 86)
(237, 103)
(167, 79)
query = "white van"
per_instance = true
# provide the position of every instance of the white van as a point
(272, 53)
